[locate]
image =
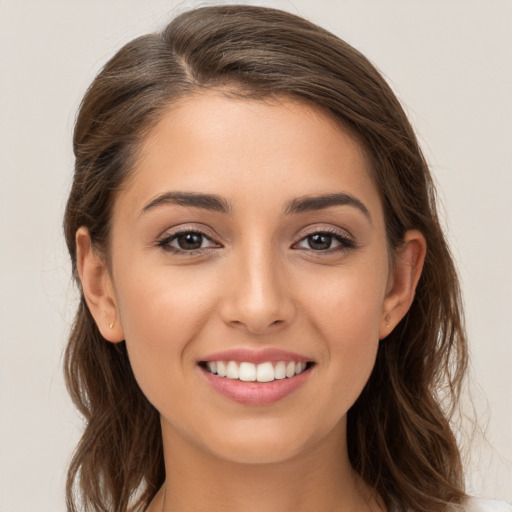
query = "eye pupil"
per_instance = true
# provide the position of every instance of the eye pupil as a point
(319, 241)
(190, 240)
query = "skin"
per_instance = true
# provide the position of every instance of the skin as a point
(256, 282)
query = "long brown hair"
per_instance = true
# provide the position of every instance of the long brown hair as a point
(399, 434)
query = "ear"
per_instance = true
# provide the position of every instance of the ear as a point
(97, 288)
(403, 279)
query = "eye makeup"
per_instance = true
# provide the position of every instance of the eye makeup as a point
(190, 241)
(187, 240)
(326, 236)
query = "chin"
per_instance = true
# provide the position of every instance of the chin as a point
(261, 442)
(263, 451)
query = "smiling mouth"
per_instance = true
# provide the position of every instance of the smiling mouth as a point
(250, 372)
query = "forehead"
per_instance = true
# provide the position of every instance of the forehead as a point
(242, 148)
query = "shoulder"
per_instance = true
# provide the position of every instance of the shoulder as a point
(479, 505)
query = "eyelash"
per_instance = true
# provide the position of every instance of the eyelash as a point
(164, 243)
(345, 242)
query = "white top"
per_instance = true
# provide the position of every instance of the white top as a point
(479, 505)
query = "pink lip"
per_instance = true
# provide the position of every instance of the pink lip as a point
(255, 393)
(256, 356)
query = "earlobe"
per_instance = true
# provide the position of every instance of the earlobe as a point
(97, 288)
(403, 280)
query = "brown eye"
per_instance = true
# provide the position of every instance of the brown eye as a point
(189, 241)
(319, 241)
(325, 241)
(186, 242)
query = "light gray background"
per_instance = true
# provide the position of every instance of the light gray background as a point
(450, 63)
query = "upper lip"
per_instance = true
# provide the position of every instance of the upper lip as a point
(256, 356)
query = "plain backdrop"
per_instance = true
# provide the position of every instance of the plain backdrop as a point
(450, 63)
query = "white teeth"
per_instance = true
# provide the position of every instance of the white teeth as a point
(250, 372)
(232, 370)
(280, 370)
(265, 372)
(247, 372)
(221, 369)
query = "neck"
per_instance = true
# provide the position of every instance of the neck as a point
(319, 479)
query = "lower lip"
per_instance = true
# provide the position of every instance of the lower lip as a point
(256, 393)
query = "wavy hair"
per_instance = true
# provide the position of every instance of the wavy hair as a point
(399, 435)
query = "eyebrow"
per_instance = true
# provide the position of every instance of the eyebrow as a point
(313, 203)
(215, 203)
(209, 202)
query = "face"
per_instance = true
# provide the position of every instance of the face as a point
(250, 240)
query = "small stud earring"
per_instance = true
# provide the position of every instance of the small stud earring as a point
(111, 325)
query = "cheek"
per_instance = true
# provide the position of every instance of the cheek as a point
(347, 316)
(161, 312)
(346, 306)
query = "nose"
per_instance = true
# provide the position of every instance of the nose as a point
(257, 295)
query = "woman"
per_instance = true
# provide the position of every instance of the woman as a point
(270, 315)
